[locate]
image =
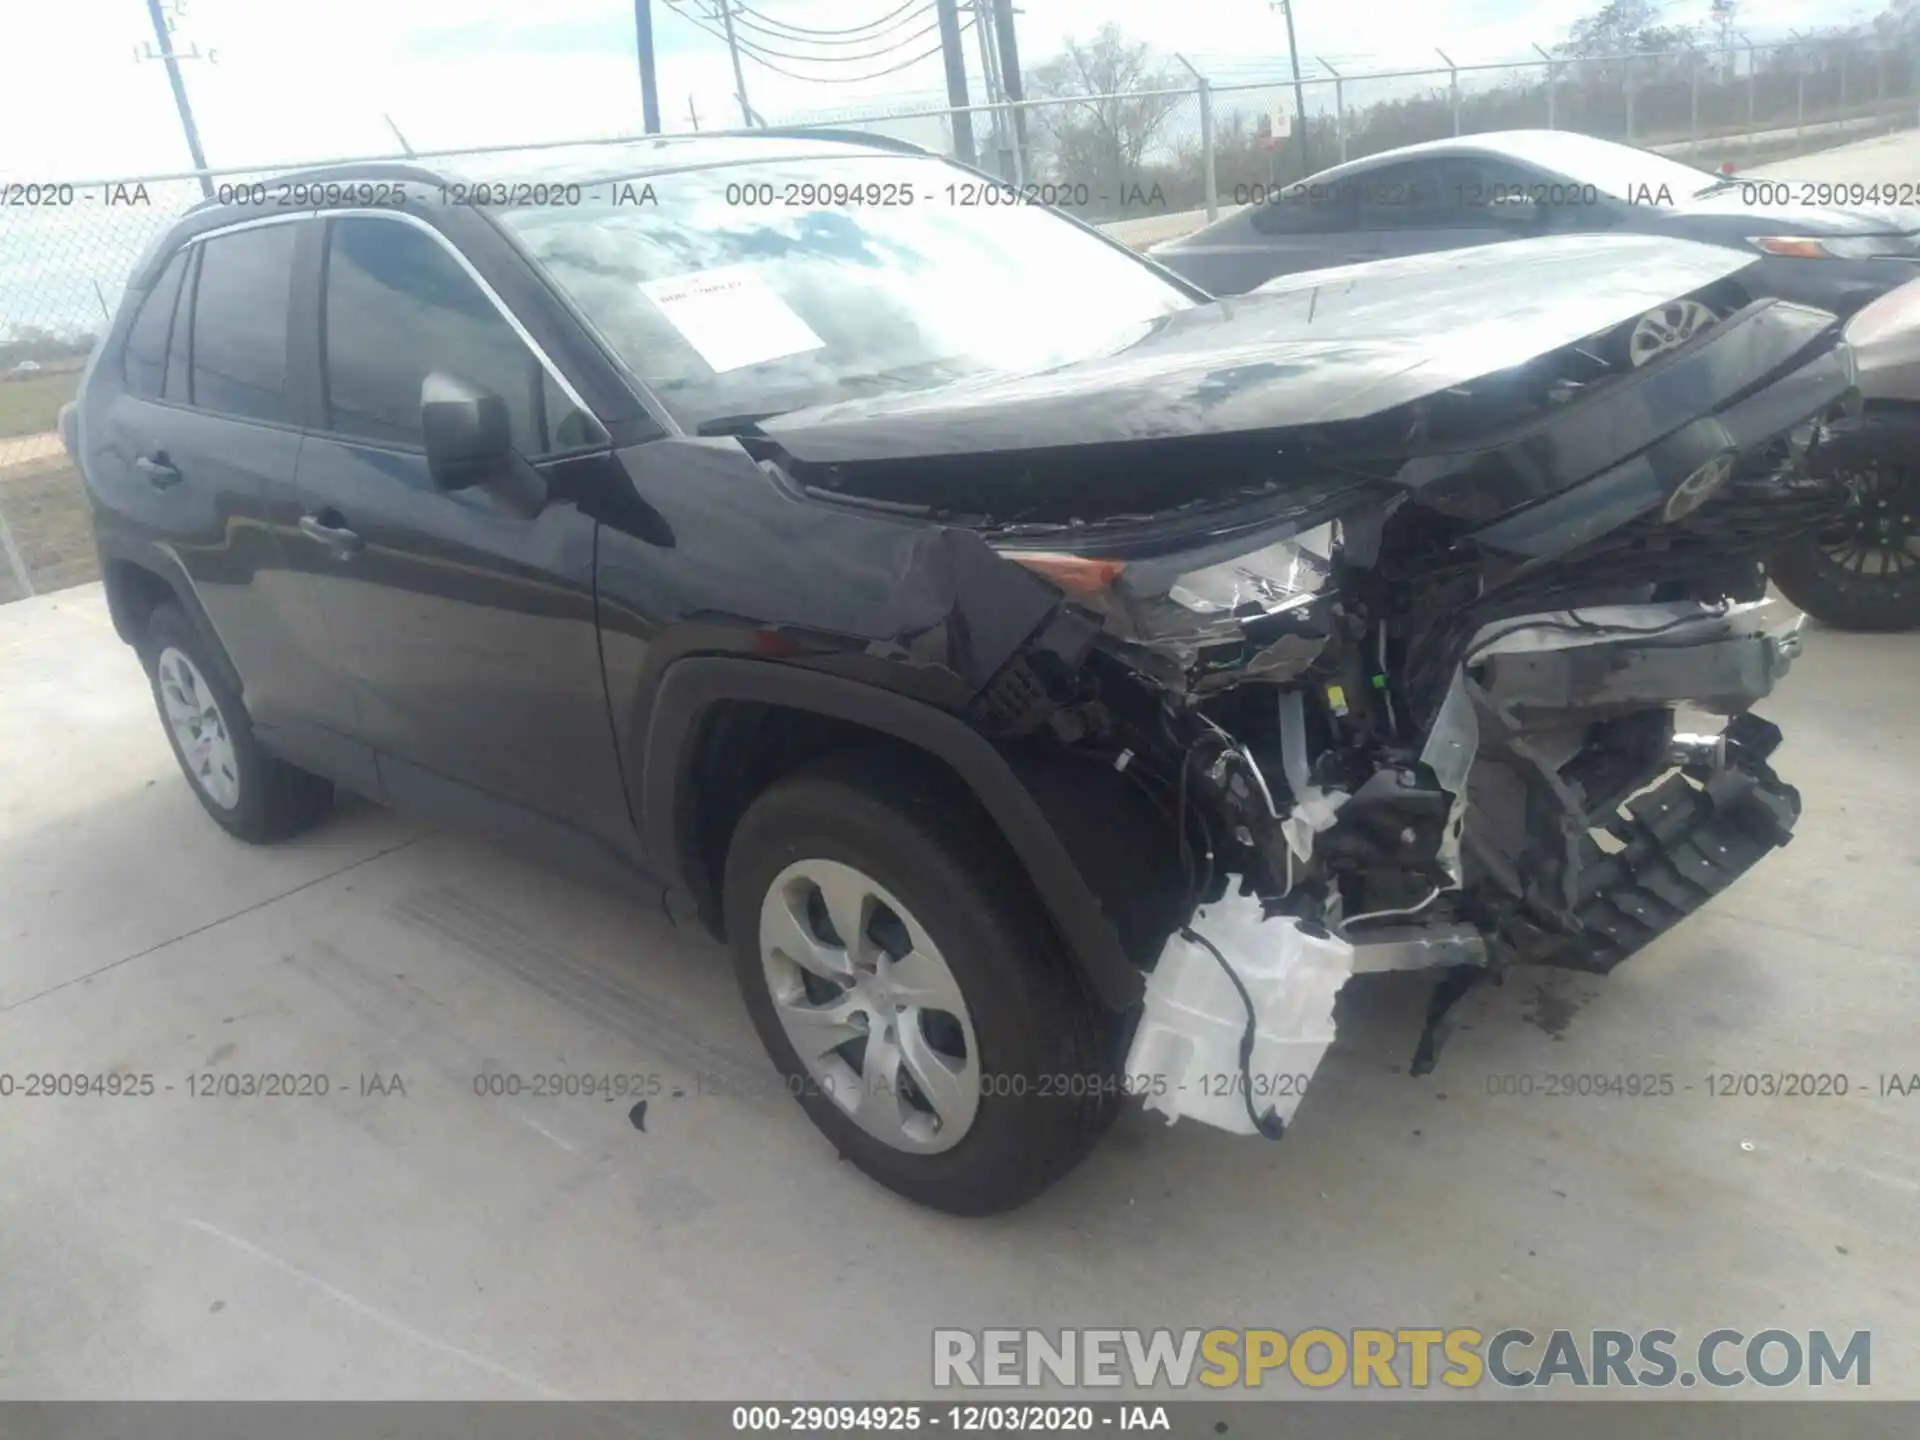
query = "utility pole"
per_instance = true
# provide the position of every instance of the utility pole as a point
(725, 7)
(1011, 84)
(948, 15)
(1299, 91)
(990, 81)
(693, 114)
(163, 36)
(643, 48)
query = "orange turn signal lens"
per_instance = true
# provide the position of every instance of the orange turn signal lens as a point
(1799, 247)
(1078, 575)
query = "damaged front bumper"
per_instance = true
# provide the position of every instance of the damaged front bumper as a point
(1239, 1007)
(1720, 659)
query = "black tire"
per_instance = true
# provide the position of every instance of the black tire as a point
(1887, 490)
(1048, 1053)
(274, 801)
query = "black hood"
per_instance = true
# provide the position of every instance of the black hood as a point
(1313, 349)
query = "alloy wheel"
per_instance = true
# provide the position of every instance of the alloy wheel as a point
(870, 1005)
(206, 745)
(1665, 328)
(1877, 537)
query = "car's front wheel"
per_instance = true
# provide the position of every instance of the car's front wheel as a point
(1863, 571)
(248, 792)
(907, 986)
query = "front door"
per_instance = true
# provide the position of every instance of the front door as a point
(466, 631)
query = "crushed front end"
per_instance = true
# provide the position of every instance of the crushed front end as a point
(1425, 714)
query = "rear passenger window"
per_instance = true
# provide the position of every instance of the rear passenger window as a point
(180, 349)
(240, 324)
(399, 306)
(145, 357)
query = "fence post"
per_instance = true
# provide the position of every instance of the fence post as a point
(1339, 105)
(1453, 86)
(1753, 67)
(1206, 148)
(1693, 95)
(1880, 87)
(1204, 89)
(1630, 100)
(1549, 59)
(1800, 101)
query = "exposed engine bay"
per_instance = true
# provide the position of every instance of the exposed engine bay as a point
(1380, 740)
(1388, 688)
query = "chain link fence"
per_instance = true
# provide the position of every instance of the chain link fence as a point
(1148, 163)
(66, 252)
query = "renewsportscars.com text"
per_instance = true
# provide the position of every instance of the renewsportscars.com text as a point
(1400, 1358)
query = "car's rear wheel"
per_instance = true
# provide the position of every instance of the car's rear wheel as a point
(1863, 571)
(248, 792)
(909, 989)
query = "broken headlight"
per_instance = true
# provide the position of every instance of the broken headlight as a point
(1224, 606)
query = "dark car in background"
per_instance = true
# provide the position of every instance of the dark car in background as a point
(1835, 245)
(1051, 682)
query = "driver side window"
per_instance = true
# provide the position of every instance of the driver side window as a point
(399, 306)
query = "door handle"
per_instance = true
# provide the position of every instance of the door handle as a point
(340, 540)
(159, 470)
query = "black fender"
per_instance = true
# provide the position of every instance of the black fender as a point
(669, 790)
(167, 573)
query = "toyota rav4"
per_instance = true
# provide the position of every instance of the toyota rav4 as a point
(1051, 682)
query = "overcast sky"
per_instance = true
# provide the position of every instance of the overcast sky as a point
(294, 80)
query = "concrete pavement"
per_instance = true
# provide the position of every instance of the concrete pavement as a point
(420, 1239)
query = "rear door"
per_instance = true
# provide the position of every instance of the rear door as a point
(203, 447)
(466, 632)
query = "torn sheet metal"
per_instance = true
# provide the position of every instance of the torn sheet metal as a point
(1719, 658)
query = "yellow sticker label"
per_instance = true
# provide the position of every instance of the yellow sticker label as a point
(1336, 697)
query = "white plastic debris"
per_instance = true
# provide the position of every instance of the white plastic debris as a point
(1185, 1058)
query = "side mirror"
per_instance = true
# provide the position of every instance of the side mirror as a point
(469, 442)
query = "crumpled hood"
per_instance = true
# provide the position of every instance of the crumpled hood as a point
(1315, 348)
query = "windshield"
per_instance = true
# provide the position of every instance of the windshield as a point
(746, 290)
(1617, 170)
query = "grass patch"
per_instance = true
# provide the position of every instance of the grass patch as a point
(30, 404)
(45, 510)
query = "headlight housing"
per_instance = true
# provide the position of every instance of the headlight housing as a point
(1214, 611)
(1830, 247)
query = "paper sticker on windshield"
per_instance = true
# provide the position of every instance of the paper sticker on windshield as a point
(732, 317)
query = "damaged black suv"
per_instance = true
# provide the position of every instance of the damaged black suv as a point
(1051, 682)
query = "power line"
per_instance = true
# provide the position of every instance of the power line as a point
(855, 79)
(757, 47)
(837, 34)
(762, 55)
